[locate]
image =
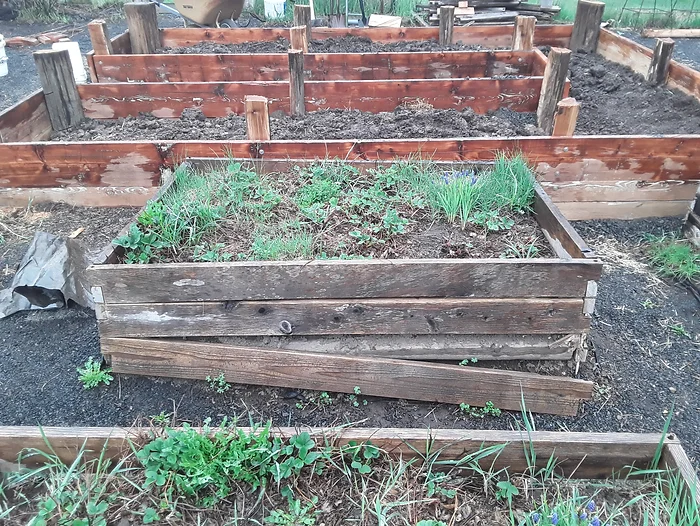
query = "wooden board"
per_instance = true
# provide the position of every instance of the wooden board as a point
(321, 67)
(557, 159)
(620, 191)
(675, 458)
(579, 455)
(168, 100)
(684, 78)
(26, 121)
(329, 279)
(374, 376)
(102, 196)
(364, 316)
(575, 211)
(488, 36)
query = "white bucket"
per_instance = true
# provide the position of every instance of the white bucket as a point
(3, 57)
(76, 59)
(274, 8)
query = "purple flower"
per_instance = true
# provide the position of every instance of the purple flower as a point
(595, 521)
(583, 516)
(555, 519)
(535, 517)
(591, 506)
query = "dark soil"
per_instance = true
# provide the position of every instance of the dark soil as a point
(617, 101)
(348, 44)
(639, 365)
(402, 123)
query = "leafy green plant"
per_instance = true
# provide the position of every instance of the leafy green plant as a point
(218, 384)
(679, 330)
(674, 257)
(139, 246)
(354, 398)
(489, 409)
(434, 484)
(92, 375)
(210, 253)
(521, 250)
(469, 361)
(296, 515)
(492, 220)
(361, 455)
(506, 490)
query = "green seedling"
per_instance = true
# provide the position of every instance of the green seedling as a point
(92, 375)
(218, 384)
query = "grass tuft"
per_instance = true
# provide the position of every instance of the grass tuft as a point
(674, 257)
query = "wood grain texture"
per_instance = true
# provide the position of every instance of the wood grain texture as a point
(322, 279)
(620, 191)
(675, 459)
(578, 455)
(26, 121)
(374, 376)
(447, 25)
(60, 90)
(302, 17)
(565, 117)
(317, 66)
(169, 100)
(660, 61)
(297, 88)
(576, 211)
(298, 38)
(257, 118)
(99, 37)
(589, 15)
(553, 87)
(142, 20)
(622, 50)
(99, 196)
(524, 33)
(362, 316)
(684, 78)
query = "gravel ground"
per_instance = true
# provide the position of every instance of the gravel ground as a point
(686, 50)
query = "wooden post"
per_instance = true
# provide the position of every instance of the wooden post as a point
(142, 20)
(302, 17)
(257, 118)
(298, 38)
(565, 117)
(296, 82)
(552, 87)
(660, 62)
(584, 36)
(62, 99)
(101, 44)
(447, 24)
(524, 33)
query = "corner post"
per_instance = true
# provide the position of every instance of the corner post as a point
(296, 82)
(565, 117)
(524, 33)
(447, 24)
(257, 118)
(298, 38)
(142, 20)
(101, 44)
(302, 17)
(589, 15)
(60, 90)
(660, 62)
(552, 87)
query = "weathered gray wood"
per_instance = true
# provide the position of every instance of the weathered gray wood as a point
(101, 43)
(60, 90)
(553, 85)
(374, 376)
(320, 317)
(524, 33)
(420, 347)
(447, 24)
(257, 118)
(660, 62)
(142, 20)
(589, 15)
(298, 38)
(329, 279)
(296, 82)
(302, 17)
(674, 458)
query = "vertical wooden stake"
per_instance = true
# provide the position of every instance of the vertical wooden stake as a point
(447, 24)
(257, 118)
(584, 36)
(101, 44)
(552, 87)
(565, 117)
(298, 38)
(142, 20)
(524, 33)
(296, 82)
(62, 99)
(302, 17)
(660, 62)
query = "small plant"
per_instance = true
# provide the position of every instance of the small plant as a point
(674, 257)
(469, 361)
(489, 409)
(361, 456)
(218, 384)
(92, 374)
(434, 485)
(648, 304)
(492, 220)
(296, 515)
(354, 400)
(211, 253)
(679, 330)
(161, 419)
(506, 490)
(521, 250)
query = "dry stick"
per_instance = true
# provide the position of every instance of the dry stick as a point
(101, 44)
(447, 24)
(660, 62)
(142, 20)
(62, 98)
(565, 117)
(298, 38)
(302, 17)
(524, 33)
(257, 118)
(296, 82)
(584, 36)
(552, 87)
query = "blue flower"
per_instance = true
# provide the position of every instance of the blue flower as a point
(583, 516)
(535, 517)
(555, 519)
(591, 506)
(595, 521)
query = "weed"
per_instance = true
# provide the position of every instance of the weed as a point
(506, 490)
(161, 419)
(679, 330)
(361, 455)
(434, 484)
(285, 246)
(218, 384)
(92, 374)
(521, 250)
(469, 361)
(354, 398)
(489, 409)
(492, 220)
(210, 253)
(296, 515)
(47, 11)
(648, 304)
(674, 257)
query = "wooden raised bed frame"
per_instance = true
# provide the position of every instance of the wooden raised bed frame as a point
(579, 455)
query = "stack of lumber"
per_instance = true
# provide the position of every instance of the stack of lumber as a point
(487, 11)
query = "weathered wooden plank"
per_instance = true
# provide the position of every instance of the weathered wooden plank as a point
(500, 36)
(622, 50)
(28, 120)
(362, 316)
(101, 196)
(589, 15)
(578, 455)
(121, 44)
(331, 279)
(558, 230)
(374, 376)
(317, 66)
(109, 101)
(620, 191)
(684, 78)
(421, 347)
(576, 211)
(674, 458)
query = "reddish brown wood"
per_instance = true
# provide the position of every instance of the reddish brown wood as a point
(257, 118)
(298, 38)
(524, 33)
(101, 44)
(565, 117)
(28, 120)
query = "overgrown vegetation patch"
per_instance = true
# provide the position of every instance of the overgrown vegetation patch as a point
(674, 257)
(332, 210)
